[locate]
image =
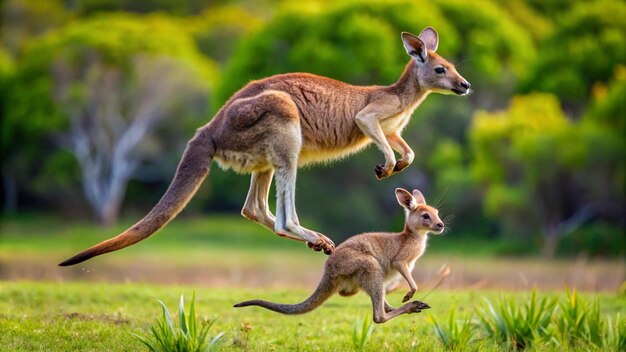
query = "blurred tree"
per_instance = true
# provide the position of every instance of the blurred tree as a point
(99, 88)
(587, 44)
(218, 29)
(177, 7)
(539, 170)
(8, 188)
(22, 20)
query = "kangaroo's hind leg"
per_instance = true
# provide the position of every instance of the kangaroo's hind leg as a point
(256, 208)
(287, 223)
(278, 130)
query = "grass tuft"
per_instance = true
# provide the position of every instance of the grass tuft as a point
(456, 335)
(166, 337)
(361, 332)
(516, 326)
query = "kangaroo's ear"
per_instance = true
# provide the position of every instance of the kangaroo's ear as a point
(430, 38)
(414, 46)
(419, 197)
(405, 199)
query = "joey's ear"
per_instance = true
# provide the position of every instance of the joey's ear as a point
(419, 197)
(430, 38)
(405, 199)
(414, 46)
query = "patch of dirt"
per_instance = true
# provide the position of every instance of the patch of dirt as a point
(277, 272)
(105, 318)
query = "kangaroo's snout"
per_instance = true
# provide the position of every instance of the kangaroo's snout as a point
(463, 88)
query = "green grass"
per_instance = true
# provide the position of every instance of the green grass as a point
(35, 234)
(102, 317)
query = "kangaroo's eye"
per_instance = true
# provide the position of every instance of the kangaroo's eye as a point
(426, 217)
(440, 70)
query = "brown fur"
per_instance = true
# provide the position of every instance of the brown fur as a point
(369, 261)
(272, 126)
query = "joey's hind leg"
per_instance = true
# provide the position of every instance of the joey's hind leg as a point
(256, 208)
(388, 307)
(373, 285)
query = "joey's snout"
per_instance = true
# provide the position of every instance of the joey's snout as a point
(438, 227)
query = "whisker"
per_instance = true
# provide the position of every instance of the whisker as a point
(440, 198)
(462, 62)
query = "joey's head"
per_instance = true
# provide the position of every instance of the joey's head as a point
(433, 72)
(420, 217)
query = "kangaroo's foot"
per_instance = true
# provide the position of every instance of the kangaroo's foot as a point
(264, 218)
(323, 244)
(401, 165)
(416, 307)
(314, 240)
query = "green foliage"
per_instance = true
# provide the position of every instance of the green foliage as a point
(616, 333)
(578, 321)
(361, 332)
(188, 337)
(490, 39)
(514, 326)
(595, 239)
(608, 106)
(509, 158)
(535, 178)
(25, 20)
(178, 7)
(218, 30)
(587, 44)
(457, 334)
(574, 323)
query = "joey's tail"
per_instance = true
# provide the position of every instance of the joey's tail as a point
(192, 169)
(324, 290)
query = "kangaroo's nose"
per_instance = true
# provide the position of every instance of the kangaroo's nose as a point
(466, 84)
(440, 225)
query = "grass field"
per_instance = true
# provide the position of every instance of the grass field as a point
(96, 306)
(100, 317)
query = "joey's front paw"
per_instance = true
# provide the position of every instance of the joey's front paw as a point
(383, 171)
(408, 296)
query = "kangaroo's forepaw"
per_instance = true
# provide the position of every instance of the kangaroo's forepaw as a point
(323, 244)
(408, 296)
(382, 171)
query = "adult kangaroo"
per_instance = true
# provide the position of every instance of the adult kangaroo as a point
(274, 125)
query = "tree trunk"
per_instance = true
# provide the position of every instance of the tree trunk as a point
(551, 243)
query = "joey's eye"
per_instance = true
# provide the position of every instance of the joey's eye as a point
(426, 217)
(440, 70)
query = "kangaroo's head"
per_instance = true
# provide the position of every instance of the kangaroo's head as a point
(433, 71)
(420, 217)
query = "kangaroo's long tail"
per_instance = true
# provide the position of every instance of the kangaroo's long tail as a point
(324, 290)
(192, 169)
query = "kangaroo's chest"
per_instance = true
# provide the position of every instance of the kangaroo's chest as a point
(398, 120)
